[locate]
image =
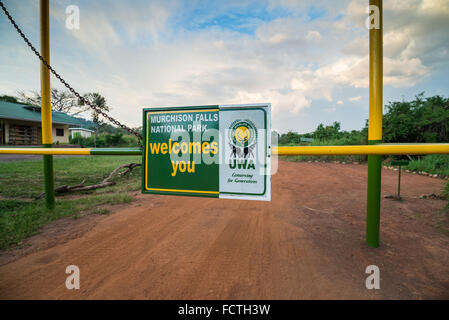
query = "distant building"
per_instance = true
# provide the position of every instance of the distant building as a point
(83, 132)
(21, 124)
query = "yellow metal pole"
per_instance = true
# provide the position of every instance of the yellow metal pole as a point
(375, 121)
(376, 75)
(378, 149)
(46, 103)
(45, 74)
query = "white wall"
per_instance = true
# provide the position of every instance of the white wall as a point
(65, 138)
(84, 134)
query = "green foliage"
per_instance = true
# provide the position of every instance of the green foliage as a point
(420, 120)
(10, 99)
(98, 101)
(289, 138)
(323, 133)
(113, 139)
(106, 128)
(327, 135)
(21, 217)
(24, 179)
(423, 120)
(445, 193)
(105, 140)
(432, 163)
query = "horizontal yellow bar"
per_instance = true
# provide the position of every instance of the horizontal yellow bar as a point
(379, 149)
(56, 151)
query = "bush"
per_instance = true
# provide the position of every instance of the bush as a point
(425, 119)
(105, 140)
(432, 163)
(113, 139)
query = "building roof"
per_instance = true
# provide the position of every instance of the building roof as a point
(33, 113)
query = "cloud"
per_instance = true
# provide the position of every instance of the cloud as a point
(330, 109)
(168, 53)
(313, 35)
(117, 24)
(353, 99)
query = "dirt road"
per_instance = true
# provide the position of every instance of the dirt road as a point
(307, 243)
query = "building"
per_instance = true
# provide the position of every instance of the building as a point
(21, 124)
(83, 132)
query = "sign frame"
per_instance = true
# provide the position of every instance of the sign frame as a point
(266, 195)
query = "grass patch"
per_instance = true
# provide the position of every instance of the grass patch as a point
(101, 211)
(330, 142)
(432, 163)
(23, 179)
(20, 219)
(346, 159)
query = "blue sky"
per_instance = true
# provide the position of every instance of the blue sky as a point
(308, 58)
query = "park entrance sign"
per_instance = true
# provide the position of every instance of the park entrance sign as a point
(220, 151)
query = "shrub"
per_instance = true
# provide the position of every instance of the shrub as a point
(105, 140)
(432, 163)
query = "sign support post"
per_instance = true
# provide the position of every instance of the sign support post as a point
(46, 105)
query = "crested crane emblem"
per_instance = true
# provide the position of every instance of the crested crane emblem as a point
(243, 139)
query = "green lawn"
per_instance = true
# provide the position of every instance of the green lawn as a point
(21, 181)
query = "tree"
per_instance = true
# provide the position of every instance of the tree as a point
(328, 132)
(32, 97)
(420, 120)
(290, 138)
(98, 101)
(63, 101)
(9, 99)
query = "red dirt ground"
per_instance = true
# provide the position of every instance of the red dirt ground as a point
(307, 243)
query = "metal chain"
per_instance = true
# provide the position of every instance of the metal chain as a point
(80, 97)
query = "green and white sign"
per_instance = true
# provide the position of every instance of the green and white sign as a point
(210, 151)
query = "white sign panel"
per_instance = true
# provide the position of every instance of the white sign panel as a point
(246, 152)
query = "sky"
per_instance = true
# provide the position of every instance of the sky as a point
(308, 58)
